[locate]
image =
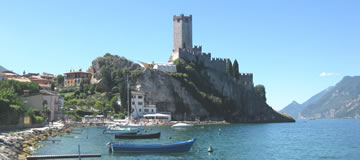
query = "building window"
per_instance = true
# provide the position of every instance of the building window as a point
(133, 96)
(152, 110)
(139, 110)
(146, 110)
(140, 97)
(133, 103)
(140, 103)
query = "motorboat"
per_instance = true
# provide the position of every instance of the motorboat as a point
(138, 136)
(182, 125)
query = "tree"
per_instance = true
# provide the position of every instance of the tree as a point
(44, 103)
(99, 105)
(114, 104)
(92, 89)
(9, 95)
(52, 86)
(260, 91)
(60, 80)
(81, 88)
(236, 73)
(229, 68)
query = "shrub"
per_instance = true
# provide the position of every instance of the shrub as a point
(38, 119)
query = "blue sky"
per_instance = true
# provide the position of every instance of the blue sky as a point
(287, 45)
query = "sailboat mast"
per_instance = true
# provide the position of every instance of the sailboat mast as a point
(127, 95)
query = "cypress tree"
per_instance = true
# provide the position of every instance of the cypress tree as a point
(236, 73)
(229, 68)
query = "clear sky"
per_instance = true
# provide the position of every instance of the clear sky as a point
(296, 48)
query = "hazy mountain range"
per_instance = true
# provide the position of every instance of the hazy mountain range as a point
(339, 101)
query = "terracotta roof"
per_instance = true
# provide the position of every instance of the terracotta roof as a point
(20, 79)
(78, 72)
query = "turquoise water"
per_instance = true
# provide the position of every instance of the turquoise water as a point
(305, 139)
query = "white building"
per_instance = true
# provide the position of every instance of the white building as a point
(138, 106)
(165, 67)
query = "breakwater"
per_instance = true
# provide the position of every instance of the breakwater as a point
(19, 144)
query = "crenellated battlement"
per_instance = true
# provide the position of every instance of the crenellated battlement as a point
(182, 18)
(246, 79)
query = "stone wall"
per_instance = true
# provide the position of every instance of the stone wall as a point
(246, 79)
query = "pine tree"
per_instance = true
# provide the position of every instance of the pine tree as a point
(236, 73)
(229, 68)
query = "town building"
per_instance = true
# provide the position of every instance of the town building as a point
(75, 78)
(48, 76)
(138, 105)
(9, 74)
(2, 76)
(43, 83)
(54, 103)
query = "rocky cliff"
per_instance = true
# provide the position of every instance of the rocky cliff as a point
(235, 102)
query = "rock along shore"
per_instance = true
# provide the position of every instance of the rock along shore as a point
(19, 144)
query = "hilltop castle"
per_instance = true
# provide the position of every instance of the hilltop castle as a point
(183, 48)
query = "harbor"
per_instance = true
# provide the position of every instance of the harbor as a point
(234, 141)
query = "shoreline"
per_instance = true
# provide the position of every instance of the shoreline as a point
(20, 143)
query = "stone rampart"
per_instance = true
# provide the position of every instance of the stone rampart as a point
(246, 79)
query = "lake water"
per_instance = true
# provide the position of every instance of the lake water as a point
(305, 139)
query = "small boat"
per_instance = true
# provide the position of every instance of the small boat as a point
(181, 125)
(138, 136)
(121, 131)
(171, 147)
(312, 119)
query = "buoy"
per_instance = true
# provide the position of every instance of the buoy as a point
(170, 137)
(210, 149)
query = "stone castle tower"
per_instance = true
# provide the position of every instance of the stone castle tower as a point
(183, 48)
(182, 32)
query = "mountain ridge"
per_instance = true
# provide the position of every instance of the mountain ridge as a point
(339, 101)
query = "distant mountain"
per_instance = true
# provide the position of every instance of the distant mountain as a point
(2, 69)
(343, 101)
(340, 101)
(294, 108)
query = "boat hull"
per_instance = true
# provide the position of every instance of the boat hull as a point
(138, 136)
(121, 132)
(154, 148)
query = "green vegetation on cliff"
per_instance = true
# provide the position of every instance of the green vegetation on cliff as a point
(112, 72)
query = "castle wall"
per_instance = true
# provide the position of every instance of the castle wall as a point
(246, 79)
